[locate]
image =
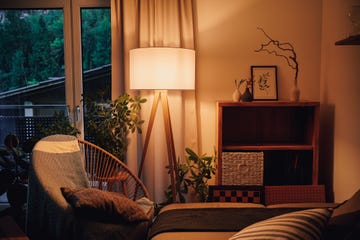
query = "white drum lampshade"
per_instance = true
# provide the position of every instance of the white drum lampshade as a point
(162, 68)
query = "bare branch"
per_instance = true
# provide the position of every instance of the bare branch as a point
(284, 50)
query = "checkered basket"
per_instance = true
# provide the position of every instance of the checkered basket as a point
(242, 168)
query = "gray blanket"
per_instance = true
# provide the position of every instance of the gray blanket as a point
(211, 219)
(57, 162)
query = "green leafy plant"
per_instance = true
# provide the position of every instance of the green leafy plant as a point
(182, 187)
(108, 123)
(195, 172)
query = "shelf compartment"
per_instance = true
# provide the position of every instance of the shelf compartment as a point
(267, 125)
(287, 167)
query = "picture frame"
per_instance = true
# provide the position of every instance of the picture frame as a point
(264, 82)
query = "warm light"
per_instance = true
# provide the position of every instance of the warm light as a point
(162, 68)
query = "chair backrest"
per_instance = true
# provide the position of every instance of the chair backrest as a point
(56, 162)
(107, 172)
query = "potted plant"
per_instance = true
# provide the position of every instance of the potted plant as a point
(108, 123)
(286, 51)
(13, 172)
(195, 173)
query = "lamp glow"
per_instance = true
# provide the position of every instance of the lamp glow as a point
(162, 68)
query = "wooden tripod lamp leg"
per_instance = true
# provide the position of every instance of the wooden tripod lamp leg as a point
(148, 131)
(170, 144)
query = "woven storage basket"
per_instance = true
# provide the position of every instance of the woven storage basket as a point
(242, 168)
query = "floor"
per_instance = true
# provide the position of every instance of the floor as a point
(6, 210)
(9, 229)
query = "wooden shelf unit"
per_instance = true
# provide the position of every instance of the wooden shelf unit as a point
(287, 133)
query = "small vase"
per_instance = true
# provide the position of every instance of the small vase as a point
(236, 95)
(247, 96)
(294, 94)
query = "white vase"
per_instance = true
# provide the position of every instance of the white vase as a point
(236, 95)
(294, 94)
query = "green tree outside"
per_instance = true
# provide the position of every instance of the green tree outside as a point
(32, 45)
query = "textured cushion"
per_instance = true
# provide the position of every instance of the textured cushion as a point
(305, 224)
(99, 205)
(345, 220)
(347, 213)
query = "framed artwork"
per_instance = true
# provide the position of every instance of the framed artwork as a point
(264, 85)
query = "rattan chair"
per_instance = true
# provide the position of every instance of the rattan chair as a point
(108, 173)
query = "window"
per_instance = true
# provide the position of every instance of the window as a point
(41, 66)
(31, 69)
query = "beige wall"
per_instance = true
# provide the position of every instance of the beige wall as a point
(340, 84)
(227, 36)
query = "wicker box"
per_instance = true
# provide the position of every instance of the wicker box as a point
(242, 168)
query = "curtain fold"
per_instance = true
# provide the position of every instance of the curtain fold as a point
(117, 60)
(155, 23)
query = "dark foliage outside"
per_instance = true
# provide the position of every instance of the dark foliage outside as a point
(32, 45)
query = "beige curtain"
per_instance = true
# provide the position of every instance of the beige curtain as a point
(155, 23)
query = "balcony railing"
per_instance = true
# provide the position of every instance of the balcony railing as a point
(24, 121)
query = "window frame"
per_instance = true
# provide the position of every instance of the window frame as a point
(72, 46)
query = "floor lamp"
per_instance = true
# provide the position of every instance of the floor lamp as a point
(162, 69)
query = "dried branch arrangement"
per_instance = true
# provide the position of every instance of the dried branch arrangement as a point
(284, 50)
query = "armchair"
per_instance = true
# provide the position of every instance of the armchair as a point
(63, 161)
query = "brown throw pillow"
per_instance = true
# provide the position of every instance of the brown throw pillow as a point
(345, 221)
(105, 206)
(348, 213)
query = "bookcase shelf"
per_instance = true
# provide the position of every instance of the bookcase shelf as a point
(287, 133)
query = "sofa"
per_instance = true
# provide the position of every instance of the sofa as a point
(221, 220)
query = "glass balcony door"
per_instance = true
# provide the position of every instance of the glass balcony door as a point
(41, 66)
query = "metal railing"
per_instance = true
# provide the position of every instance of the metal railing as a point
(25, 121)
